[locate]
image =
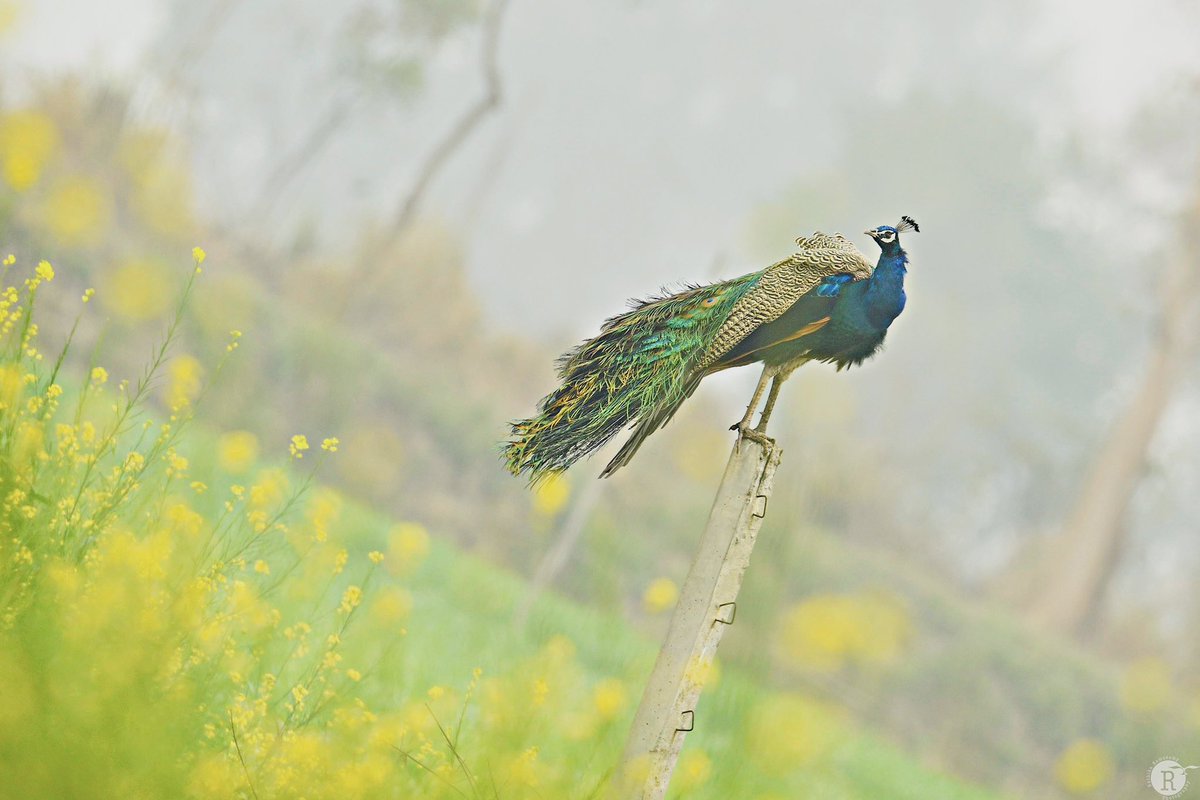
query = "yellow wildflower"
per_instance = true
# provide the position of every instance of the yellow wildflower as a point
(789, 730)
(350, 599)
(299, 445)
(78, 210)
(693, 770)
(609, 698)
(391, 605)
(198, 255)
(28, 139)
(262, 567)
(661, 595)
(184, 381)
(330, 445)
(99, 375)
(176, 464)
(354, 675)
(87, 295)
(825, 631)
(237, 451)
(270, 490)
(550, 496)
(1084, 766)
(138, 291)
(408, 544)
(375, 556)
(523, 769)
(45, 271)
(541, 690)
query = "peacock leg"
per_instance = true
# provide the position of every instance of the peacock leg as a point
(743, 426)
(744, 423)
(770, 406)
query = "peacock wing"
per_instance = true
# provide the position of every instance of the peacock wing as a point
(782, 285)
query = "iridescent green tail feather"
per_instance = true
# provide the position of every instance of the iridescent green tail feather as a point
(637, 371)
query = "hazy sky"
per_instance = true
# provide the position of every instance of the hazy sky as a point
(700, 104)
(1113, 52)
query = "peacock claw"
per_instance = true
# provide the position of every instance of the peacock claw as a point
(746, 432)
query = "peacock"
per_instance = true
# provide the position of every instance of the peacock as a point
(825, 303)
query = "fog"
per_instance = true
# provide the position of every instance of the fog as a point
(406, 257)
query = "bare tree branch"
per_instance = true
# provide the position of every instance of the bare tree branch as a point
(455, 137)
(291, 165)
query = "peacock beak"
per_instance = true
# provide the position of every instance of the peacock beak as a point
(872, 232)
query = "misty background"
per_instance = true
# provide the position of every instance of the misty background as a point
(1027, 444)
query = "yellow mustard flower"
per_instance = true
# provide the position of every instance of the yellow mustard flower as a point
(391, 605)
(408, 545)
(788, 730)
(185, 379)
(661, 595)
(138, 291)
(237, 451)
(693, 769)
(78, 210)
(350, 599)
(1084, 766)
(551, 495)
(28, 139)
(298, 445)
(609, 698)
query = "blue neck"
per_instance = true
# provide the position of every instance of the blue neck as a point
(884, 299)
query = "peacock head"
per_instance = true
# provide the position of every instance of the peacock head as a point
(888, 237)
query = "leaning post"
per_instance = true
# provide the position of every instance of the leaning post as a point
(707, 605)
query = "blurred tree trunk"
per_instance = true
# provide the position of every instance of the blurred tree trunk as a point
(452, 142)
(1075, 567)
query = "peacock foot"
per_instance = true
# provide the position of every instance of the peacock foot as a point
(746, 432)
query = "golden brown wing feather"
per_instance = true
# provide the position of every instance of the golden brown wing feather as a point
(820, 255)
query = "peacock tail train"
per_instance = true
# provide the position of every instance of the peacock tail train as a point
(637, 371)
